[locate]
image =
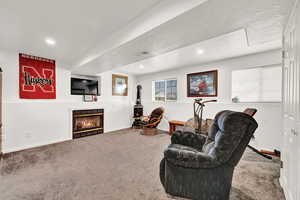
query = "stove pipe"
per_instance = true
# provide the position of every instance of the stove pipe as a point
(138, 95)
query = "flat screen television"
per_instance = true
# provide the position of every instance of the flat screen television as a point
(84, 87)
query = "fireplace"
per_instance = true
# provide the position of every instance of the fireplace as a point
(87, 122)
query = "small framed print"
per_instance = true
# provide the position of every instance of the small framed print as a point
(90, 98)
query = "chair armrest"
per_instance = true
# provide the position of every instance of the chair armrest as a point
(188, 157)
(188, 139)
(154, 121)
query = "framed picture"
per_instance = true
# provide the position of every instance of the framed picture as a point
(202, 84)
(119, 85)
(37, 79)
(90, 98)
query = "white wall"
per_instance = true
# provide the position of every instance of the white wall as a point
(30, 123)
(269, 114)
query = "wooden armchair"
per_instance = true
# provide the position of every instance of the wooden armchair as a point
(153, 119)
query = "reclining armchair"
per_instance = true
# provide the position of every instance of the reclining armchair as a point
(201, 167)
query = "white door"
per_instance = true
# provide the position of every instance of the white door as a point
(1, 136)
(290, 174)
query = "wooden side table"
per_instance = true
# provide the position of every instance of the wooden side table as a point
(173, 124)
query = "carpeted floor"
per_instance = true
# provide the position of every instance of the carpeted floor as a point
(122, 165)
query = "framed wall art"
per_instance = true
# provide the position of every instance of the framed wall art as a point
(202, 84)
(36, 77)
(90, 98)
(119, 85)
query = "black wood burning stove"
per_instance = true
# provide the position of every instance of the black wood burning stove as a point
(138, 109)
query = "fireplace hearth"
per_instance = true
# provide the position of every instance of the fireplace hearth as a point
(87, 122)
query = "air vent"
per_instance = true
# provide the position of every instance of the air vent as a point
(145, 53)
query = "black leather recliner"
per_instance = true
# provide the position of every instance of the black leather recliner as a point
(201, 167)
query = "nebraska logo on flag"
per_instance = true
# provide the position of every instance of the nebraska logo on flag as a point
(37, 77)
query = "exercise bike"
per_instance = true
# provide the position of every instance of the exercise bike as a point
(198, 113)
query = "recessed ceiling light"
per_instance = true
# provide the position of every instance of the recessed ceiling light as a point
(200, 51)
(50, 41)
(142, 66)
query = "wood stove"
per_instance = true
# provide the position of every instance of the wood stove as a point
(138, 109)
(87, 122)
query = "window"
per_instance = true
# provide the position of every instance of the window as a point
(160, 91)
(261, 84)
(165, 90)
(172, 90)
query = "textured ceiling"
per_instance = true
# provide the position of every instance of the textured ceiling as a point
(97, 35)
(262, 21)
(76, 25)
(81, 28)
(223, 47)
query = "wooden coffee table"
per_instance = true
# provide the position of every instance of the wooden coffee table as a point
(173, 124)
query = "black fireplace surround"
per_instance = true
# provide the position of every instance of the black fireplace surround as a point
(87, 122)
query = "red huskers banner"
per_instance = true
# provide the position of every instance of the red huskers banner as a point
(37, 77)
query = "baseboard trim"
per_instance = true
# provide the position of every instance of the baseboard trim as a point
(287, 193)
(18, 149)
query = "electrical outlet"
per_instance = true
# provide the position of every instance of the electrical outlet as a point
(28, 135)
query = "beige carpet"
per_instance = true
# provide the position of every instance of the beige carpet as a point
(122, 165)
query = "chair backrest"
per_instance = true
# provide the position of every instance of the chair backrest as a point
(250, 111)
(156, 115)
(229, 136)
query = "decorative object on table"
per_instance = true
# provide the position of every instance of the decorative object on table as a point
(149, 123)
(119, 85)
(235, 100)
(36, 77)
(90, 98)
(138, 108)
(201, 167)
(202, 84)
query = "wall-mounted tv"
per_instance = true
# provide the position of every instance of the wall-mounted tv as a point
(84, 87)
